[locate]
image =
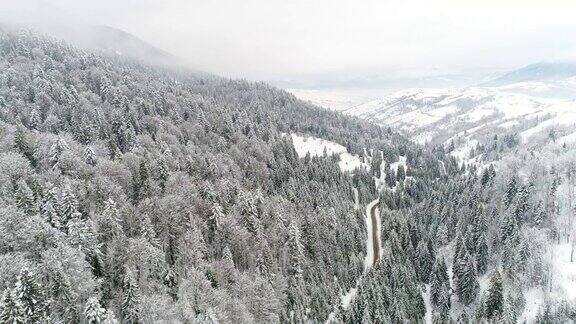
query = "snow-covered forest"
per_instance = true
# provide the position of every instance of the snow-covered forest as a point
(131, 193)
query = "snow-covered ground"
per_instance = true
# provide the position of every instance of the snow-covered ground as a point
(564, 281)
(401, 162)
(329, 99)
(317, 146)
(426, 114)
(428, 305)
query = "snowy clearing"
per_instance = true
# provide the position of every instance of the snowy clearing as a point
(317, 146)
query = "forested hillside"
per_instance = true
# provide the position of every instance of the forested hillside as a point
(134, 194)
(131, 193)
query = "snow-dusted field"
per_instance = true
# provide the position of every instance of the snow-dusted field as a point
(317, 147)
(428, 113)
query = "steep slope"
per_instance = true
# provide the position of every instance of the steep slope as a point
(144, 194)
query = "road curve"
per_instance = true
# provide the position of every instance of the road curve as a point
(375, 233)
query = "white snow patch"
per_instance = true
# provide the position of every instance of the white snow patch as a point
(564, 118)
(534, 300)
(401, 162)
(567, 139)
(328, 99)
(347, 298)
(317, 146)
(564, 271)
(428, 305)
(462, 153)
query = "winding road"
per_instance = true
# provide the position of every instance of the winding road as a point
(373, 243)
(375, 233)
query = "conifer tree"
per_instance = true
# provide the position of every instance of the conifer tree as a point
(424, 261)
(131, 302)
(217, 214)
(30, 297)
(495, 300)
(467, 285)
(511, 190)
(10, 309)
(49, 208)
(509, 227)
(390, 178)
(440, 286)
(109, 221)
(68, 207)
(56, 150)
(89, 156)
(24, 198)
(482, 256)
(296, 250)
(109, 318)
(401, 174)
(62, 302)
(24, 143)
(509, 314)
(93, 312)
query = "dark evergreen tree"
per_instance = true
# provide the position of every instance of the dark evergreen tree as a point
(494, 300)
(440, 290)
(467, 285)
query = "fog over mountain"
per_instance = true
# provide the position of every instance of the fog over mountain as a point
(334, 43)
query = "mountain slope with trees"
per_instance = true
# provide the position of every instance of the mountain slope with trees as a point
(134, 194)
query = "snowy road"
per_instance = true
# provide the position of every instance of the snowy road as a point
(373, 252)
(375, 219)
(372, 218)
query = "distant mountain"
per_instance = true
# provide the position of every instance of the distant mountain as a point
(116, 42)
(543, 71)
(54, 21)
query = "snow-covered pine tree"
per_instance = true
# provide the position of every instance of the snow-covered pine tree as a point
(89, 156)
(509, 227)
(296, 250)
(482, 256)
(56, 150)
(511, 190)
(130, 307)
(49, 208)
(440, 286)
(390, 177)
(467, 286)
(494, 302)
(424, 261)
(109, 318)
(67, 207)
(62, 303)
(458, 258)
(93, 312)
(24, 198)
(34, 119)
(509, 314)
(25, 145)
(30, 297)
(401, 174)
(10, 309)
(216, 215)
(108, 223)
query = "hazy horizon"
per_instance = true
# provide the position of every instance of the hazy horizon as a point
(324, 43)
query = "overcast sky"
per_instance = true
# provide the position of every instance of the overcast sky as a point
(274, 39)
